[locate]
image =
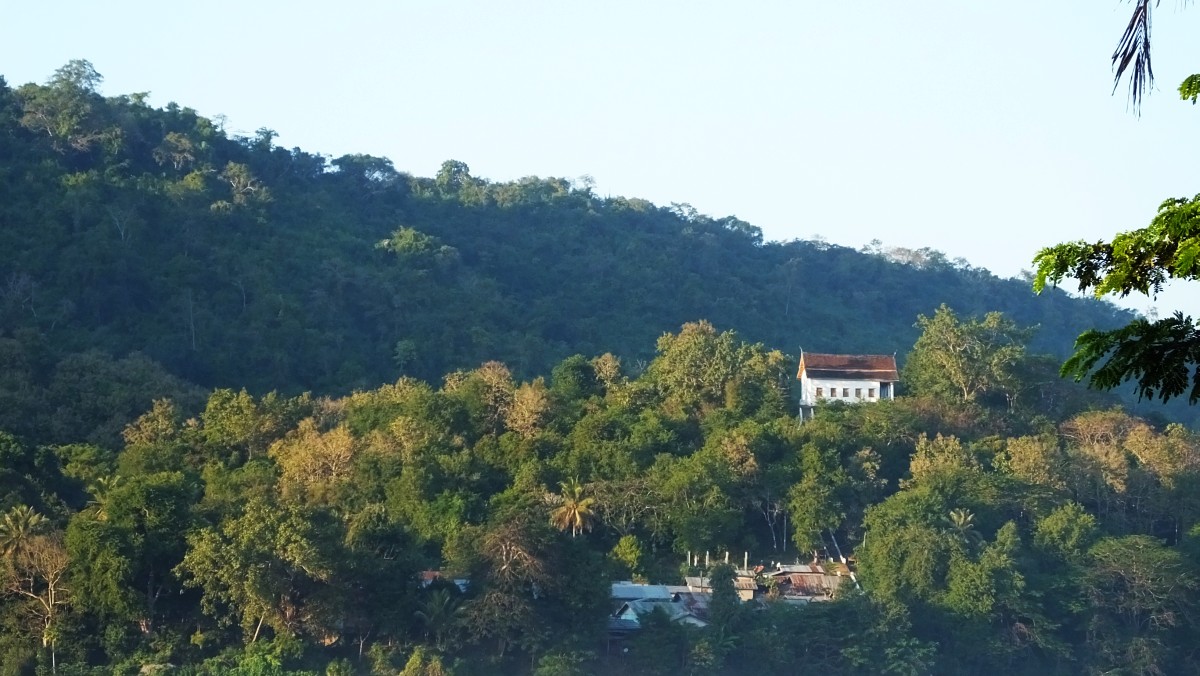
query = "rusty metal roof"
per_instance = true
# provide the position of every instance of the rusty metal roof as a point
(703, 583)
(879, 367)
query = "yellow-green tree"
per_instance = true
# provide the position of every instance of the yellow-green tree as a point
(575, 511)
(967, 359)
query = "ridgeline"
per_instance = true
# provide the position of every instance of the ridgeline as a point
(145, 252)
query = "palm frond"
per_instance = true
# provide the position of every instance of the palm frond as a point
(1133, 51)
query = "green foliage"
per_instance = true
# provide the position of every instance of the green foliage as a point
(1160, 355)
(258, 563)
(423, 663)
(274, 534)
(152, 248)
(1067, 532)
(1190, 88)
(147, 523)
(966, 360)
(564, 664)
(724, 605)
(628, 555)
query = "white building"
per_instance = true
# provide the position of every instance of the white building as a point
(851, 378)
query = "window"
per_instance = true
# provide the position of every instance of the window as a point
(820, 391)
(871, 393)
(858, 393)
(846, 392)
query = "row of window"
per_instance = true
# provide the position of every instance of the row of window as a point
(858, 392)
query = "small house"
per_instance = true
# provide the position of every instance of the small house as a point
(806, 583)
(745, 586)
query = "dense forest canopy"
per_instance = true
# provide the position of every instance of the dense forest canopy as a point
(152, 235)
(248, 394)
(284, 535)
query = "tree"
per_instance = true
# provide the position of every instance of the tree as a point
(965, 360)
(695, 368)
(628, 555)
(438, 614)
(100, 490)
(1140, 595)
(961, 523)
(724, 605)
(813, 503)
(1133, 55)
(65, 109)
(574, 511)
(263, 565)
(1160, 356)
(530, 408)
(421, 663)
(314, 464)
(19, 525)
(516, 576)
(38, 574)
(124, 561)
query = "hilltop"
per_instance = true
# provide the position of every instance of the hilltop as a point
(205, 259)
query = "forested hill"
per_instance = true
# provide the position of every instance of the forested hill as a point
(224, 261)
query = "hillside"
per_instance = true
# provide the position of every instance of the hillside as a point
(226, 261)
(409, 504)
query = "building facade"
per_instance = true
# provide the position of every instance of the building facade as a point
(852, 378)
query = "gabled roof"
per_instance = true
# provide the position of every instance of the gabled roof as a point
(686, 611)
(879, 367)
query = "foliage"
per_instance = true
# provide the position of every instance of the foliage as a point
(1159, 355)
(966, 360)
(279, 535)
(148, 253)
(574, 511)
(991, 521)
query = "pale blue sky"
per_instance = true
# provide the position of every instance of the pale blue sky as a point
(983, 129)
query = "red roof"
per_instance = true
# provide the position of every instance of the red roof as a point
(880, 367)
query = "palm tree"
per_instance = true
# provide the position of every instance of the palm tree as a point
(1133, 55)
(100, 491)
(438, 615)
(574, 510)
(962, 524)
(1134, 50)
(16, 528)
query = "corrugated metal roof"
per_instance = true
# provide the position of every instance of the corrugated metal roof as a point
(704, 583)
(881, 367)
(685, 610)
(809, 584)
(622, 626)
(630, 591)
(797, 568)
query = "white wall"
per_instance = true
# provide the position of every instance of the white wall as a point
(808, 390)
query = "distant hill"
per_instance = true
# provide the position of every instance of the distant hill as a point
(226, 261)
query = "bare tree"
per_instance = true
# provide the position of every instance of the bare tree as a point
(37, 573)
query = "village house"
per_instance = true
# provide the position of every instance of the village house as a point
(632, 601)
(428, 577)
(805, 583)
(744, 584)
(852, 378)
(688, 603)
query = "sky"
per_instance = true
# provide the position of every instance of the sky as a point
(986, 130)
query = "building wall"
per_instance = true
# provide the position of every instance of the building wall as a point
(808, 390)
